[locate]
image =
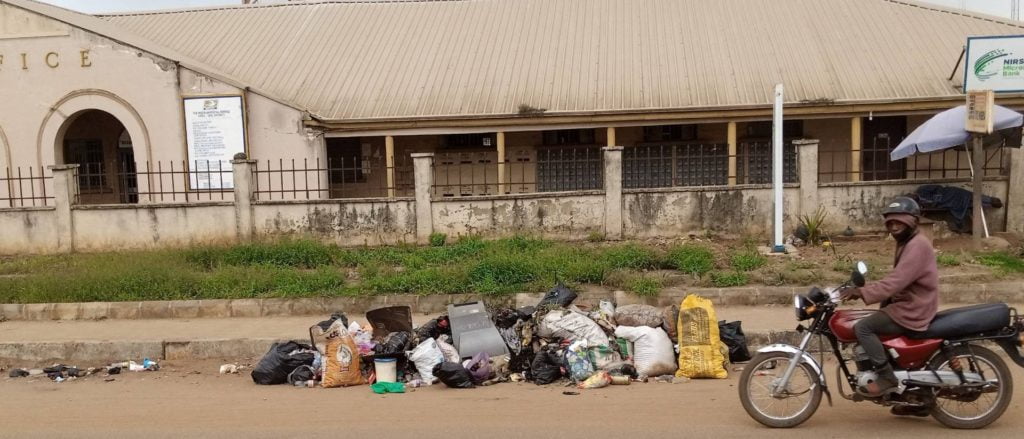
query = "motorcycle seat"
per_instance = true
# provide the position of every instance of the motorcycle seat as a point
(965, 321)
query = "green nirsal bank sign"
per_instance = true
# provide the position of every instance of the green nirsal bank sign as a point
(995, 63)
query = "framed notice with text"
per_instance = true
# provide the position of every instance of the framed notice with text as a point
(214, 133)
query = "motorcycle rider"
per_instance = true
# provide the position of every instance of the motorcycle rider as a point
(909, 295)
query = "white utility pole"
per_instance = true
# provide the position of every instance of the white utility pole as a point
(777, 168)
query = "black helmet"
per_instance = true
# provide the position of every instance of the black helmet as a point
(903, 205)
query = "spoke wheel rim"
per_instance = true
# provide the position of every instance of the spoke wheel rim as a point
(801, 390)
(953, 408)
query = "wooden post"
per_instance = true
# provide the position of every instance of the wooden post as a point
(733, 147)
(501, 163)
(611, 136)
(855, 147)
(977, 214)
(389, 157)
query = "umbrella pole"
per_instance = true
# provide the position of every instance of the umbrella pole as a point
(980, 224)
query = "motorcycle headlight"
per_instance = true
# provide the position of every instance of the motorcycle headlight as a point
(804, 307)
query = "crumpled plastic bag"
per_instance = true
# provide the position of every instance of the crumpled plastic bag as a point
(577, 361)
(426, 355)
(546, 367)
(479, 367)
(571, 325)
(281, 360)
(450, 353)
(596, 381)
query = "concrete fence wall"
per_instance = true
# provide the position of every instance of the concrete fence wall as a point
(612, 211)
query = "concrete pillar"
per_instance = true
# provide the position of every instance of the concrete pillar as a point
(613, 192)
(245, 222)
(1015, 194)
(733, 147)
(65, 187)
(389, 154)
(855, 147)
(807, 150)
(502, 166)
(423, 176)
(611, 136)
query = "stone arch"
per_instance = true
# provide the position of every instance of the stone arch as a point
(5, 150)
(49, 149)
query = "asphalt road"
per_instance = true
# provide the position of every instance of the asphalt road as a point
(179, 402)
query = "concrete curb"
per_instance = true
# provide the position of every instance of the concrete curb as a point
(1012, 292)
(103, 352)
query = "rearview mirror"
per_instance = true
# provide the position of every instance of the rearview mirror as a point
(858, 274)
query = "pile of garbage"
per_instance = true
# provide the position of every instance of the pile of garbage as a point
(60, 372)
(552, 342)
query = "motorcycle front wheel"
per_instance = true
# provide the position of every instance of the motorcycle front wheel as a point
(789, 407)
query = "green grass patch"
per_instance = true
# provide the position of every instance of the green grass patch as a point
(645, 286)
(691, 259)
(947, 260)
(631, 256)
(747, 260)
(438, 239)
(1002, 262)
(723, 279)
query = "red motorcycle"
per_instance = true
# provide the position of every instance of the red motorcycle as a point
(944, 372)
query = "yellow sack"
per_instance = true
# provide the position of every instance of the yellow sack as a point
(341, 362)
(699, 354)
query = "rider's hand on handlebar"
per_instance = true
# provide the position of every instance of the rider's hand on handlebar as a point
(850, 294)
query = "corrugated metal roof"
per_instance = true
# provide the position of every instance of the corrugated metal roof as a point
(395, 60)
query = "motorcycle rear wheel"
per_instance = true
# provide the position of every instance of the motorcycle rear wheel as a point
(946, 410)
(755, 394)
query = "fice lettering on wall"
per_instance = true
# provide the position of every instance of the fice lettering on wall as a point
(383, 121)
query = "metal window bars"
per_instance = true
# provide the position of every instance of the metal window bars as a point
(342, 177)
(835, 166)
(527, 170)
(25, 187)
(697, 164)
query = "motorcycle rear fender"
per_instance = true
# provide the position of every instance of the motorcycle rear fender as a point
(805, 358)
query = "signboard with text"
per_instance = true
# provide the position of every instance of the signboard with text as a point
(995, 63)
(979, 111)
(214, 132)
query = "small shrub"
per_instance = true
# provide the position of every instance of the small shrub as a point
(747, 260)
(691, 259)
(947, 260)
(723, 279)
(595, 237)
(814, 224)
(645, 286)
(438, 239)
(630, 256)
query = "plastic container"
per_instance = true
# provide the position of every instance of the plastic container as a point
(386, 370)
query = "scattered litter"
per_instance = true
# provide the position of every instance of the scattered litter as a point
(18, 373)
(597, 380)
(229, 368)
(108, 380)
(385, 387)
(570, 393)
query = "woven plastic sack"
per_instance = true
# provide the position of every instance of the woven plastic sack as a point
(427, 355)
(571, 325)
(638, 315)
(341, 367)
(653, 354)
(699, 354)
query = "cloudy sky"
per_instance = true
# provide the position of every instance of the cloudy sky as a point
(993, 7)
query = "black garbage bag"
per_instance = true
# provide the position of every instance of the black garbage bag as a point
(560, 295)
(506, 318)
(338, 315)
(453, 375)
(301, 374)
(624, 369)
(395, 343)
(732, 335)
(281, 360)
(434, 328)
(547, 365)
(520, 363)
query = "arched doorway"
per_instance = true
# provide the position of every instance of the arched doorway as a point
(99, 144)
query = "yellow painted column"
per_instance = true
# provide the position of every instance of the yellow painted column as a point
(733, 147)
(501, 162)
(611, 136)
(389, 155)
(855, 146)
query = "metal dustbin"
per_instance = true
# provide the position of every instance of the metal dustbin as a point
(473, 331)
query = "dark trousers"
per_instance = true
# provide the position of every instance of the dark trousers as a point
(870, 328)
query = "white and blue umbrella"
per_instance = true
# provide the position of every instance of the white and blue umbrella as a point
(948, 129)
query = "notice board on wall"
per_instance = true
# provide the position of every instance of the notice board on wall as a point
(214, 133)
